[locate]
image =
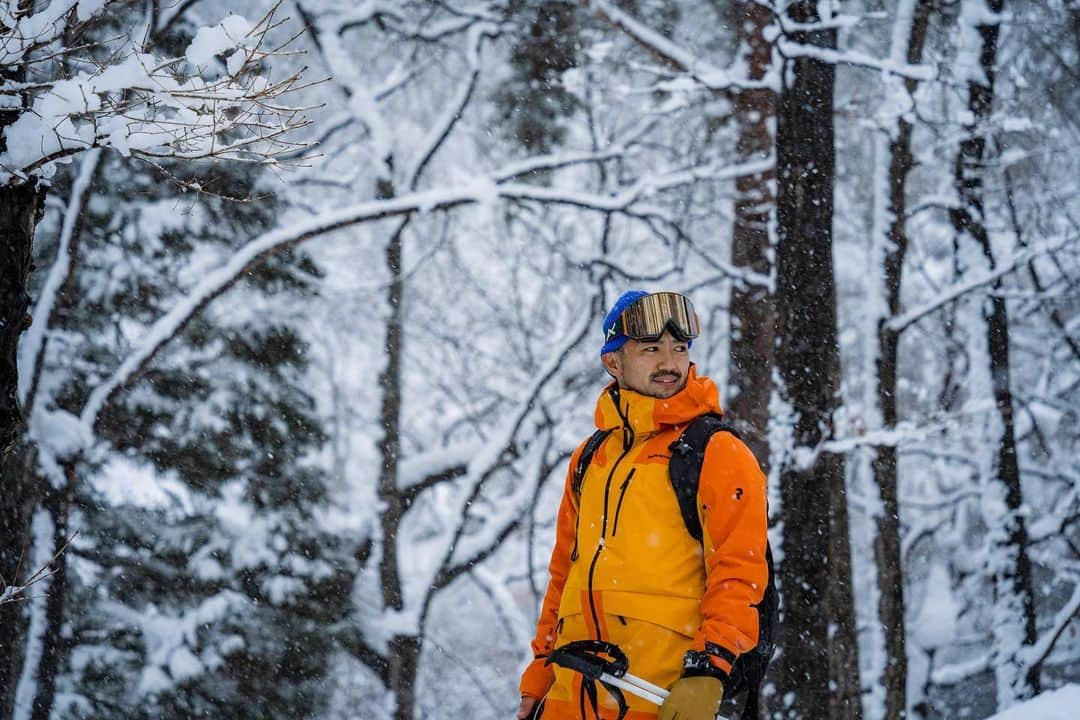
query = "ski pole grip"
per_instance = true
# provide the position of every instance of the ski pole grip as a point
(588, 667)
(584, 656)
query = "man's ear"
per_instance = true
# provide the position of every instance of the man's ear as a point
(611, 363)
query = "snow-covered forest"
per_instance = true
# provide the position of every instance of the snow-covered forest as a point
(300, 309)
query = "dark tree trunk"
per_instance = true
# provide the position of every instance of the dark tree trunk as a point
(750, 383)
(887, 542)
(18, 498)
(819, 661)
(404, 665)
(404, 649)
(58, 504)
(20, 208)
(390, 444)
(1014, 593)
(404, 657)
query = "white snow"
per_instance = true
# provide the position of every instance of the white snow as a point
(184, 665)
(171, 640)
(936, 622)
(967, 66)
(125, 482)
(416, 468)
(60, 432)
(1060, 704)
(86, 9)
(281, 588)
(210, 41)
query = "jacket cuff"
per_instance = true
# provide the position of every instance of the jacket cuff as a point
(715, 661)
(537, 679)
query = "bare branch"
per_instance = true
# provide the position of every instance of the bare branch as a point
(442, 128)
(17, 593)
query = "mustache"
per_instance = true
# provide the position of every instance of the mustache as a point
(666, 375)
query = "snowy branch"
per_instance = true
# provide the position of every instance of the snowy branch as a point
(32, 346)
(503, 604)
(541, 163)
(672, 55)
(482, 469)
(902, 322)
(351, 639)
(1054, 525)
(958, 672)
(154, 108)
(903, 433)
(791, 49)
(479, 191)
(31, 30)
(1035, 655)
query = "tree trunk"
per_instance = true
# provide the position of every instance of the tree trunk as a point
(819, 669)
(17, 502)
(887, 542)
(404, 655)
(750, 384)
(404, 665)
(390, 444)
(58, 504)
(1014, 597)
(20, 208)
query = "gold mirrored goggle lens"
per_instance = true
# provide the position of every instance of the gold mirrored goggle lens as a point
(647, 317)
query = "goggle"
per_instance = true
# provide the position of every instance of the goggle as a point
(647, 317)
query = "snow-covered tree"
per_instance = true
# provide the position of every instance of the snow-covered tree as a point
(100, 78)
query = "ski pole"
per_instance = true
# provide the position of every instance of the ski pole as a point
(642, 688)
(636, 686)
(587, 658)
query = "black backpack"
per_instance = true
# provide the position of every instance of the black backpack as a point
(684, 468)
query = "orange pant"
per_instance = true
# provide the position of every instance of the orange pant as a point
(655, 654)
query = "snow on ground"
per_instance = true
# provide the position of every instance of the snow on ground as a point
(1060, 704)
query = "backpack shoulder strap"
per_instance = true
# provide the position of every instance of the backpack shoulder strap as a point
(587, 452)
(687, 457)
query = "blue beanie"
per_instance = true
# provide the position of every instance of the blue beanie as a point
(614, 342)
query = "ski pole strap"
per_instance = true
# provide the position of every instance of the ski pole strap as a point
(587, 658)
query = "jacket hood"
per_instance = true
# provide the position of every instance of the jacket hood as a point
(647, 414)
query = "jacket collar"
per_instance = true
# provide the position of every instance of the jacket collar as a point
(645, 415)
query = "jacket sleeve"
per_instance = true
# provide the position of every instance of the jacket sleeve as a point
(538, 678)
(732, 503)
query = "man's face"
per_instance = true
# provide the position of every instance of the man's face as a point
(657, 369)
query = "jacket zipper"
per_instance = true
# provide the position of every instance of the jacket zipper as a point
(577, 531)
(618, 506)
(628, 443)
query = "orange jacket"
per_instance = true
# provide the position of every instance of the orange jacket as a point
(623, 554)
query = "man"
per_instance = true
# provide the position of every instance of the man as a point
(624, 569)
